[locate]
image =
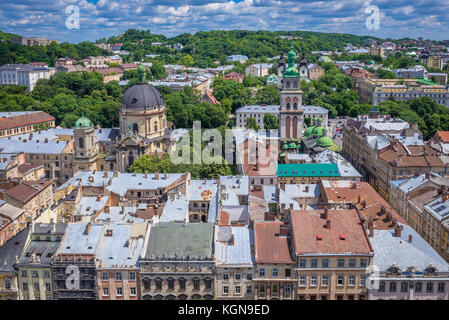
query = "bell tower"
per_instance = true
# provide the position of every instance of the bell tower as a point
(291, 110)
(85, 148)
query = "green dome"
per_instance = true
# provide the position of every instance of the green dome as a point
(325, 142)
(308, 131)
(318, 131)
(282, 154)
(292, 145)
(285, 146)
(83, 123)
(298, 146)
(292, 140)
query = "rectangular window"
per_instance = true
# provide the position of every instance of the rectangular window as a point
(404, 286)
(249, 289)
(351, 263)
(429, 287)
(363, 280)
(105, 291)
(225, 289)
(314, 263)
(382, 286)
(262, 273)
(119, 291)
(225, 277)
(237, 289)
(363, 263)
(351, 280)
(340, 280)
(287, 273)
(302, 280)
(249, 276)
(288, 288)
(341, 263)
(132, 291)
(47, 274)
(324, 280)
(302, 263)
(47, 286)
(392, 286)
(24, 273)
(441, 287)
(238, 276)
(132, 276)
(313, 280)
(25, 286)
(36, 285)
(118, 276)
(35, 274)
(325, 263)
(104, 276)
(275, 272)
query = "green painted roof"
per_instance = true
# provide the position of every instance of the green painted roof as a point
(194, 239)
(83, 123)
(308, 170)
(285, 146)
(292, 145)
(426, 82)
(318, 131)
(325, 142)
(308, 131)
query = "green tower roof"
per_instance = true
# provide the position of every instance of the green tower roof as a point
(308, 131)
(318, 131)
(83, 123)
(285, 146)
(292, 145)
(325, 142)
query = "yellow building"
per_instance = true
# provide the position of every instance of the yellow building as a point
(331, 261)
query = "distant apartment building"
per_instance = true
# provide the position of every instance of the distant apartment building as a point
(32, 41)
(237, 57)
(24, 74)
(31, 196)
(234, 76)
(12, 221)
(378, 90)
(258, 70)
(254, 111)
(438, 77)
(377, 50)
(34, 266)
(14, 123)
(414, 72)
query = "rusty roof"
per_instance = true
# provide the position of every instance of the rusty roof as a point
(25, 120)
(269, 245)
(345, 234)
(27, 190)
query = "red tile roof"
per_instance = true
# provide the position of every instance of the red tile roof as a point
(25, 120)
(269, 246)
(345, 235)
(24, 168)
(444, 135)
(27, 190)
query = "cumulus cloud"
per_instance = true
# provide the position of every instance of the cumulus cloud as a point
(99, 18)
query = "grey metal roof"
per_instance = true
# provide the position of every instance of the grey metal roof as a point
(142, 96)
(185, 241)
(238, 252)
(389, 250)
(39, 252)
(12, 249)
(77, 241)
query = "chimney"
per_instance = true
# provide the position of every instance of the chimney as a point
(269, 216)
(326, 214)
(383, 210)
(291, 206)
(165, 175)
(354, 185)
(283, 206)
(156, 175)
(371, 228)
(358, 199)
(427, 175)
(328, 224)
(389, 216)
(105, 174)
(363, 204)
(115, 173)
(134, 174)
(284, 230)
(232, 240)
(88, 226)
(46, 140)
(106, 209)
(410, 238)
(397, 231)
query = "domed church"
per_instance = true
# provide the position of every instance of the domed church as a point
(143, 123)
(143, 130)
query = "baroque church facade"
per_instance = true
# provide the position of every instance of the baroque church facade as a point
(144, 129)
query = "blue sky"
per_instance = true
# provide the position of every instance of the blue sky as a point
(104, 18)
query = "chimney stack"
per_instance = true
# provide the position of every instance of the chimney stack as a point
(284, 230)
(371, 229)
(115, 173)
(410, 238)
(270, 216)
(156, 175)
(328, 224)
(326, 214)
(165, 175)
(397, 231)
(363, 204)
(88, 226)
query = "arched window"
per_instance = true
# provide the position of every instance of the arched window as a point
(81, 142)
(155, 125)
(111, 166)
(146, 283)
(135, 128)
(288, 106)
(288, 84)
(295, 106)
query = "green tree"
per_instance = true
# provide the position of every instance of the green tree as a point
(269, 95)
(270, 121)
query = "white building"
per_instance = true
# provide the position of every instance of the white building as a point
(24, 74)
(258, 70)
